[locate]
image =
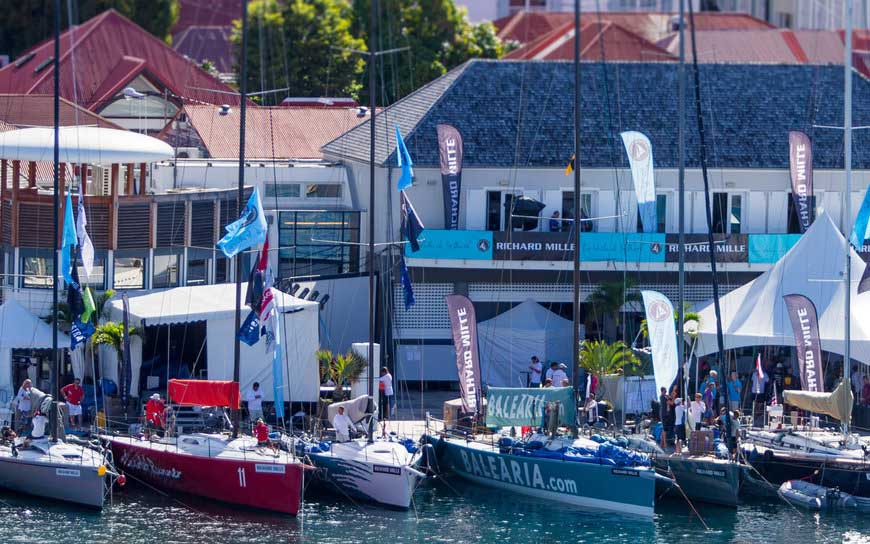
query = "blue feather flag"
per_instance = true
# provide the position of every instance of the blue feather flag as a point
(70, 239)
(247, 231)
(405, 162)
(406, 284)
(862, 223)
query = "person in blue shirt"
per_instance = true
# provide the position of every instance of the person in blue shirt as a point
(735, 388)
(555, 224)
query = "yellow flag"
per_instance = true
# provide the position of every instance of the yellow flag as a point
(570, 167)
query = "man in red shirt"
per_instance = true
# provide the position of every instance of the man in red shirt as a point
(155, 412)
(73, 395)
(261, 431)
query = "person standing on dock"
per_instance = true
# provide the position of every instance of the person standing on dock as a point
(663, 415)
(735, 389)
(536, 370)
(73, 395)
(254, 398)
(22, 407)
(386, 382)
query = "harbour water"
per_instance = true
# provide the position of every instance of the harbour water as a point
(452, 512)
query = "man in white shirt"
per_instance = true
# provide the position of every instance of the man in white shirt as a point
(557, 374)
(23, 405)
(536, 369)
(39, 423)
(679, 425)
(696, 412)
(254, 398)
(386, 388)
(343, 426)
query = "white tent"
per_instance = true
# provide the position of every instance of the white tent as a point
(508, 341)
(215, 304)
(755, 314)
(20, 329)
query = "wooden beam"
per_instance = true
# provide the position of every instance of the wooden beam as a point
(31, 174)
(16, 172)
(113, 207)
(113, 192)
(142, 178)
(2, 179)
(83, 175)
(128, 185)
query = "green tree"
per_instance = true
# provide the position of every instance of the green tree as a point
(601, 358)
(28, 22)
(301, 44)
(607, 301)
(340, 369)
(112, 334)
(438, 35)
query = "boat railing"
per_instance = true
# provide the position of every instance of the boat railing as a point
(778, 421)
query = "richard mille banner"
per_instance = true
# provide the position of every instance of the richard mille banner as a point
(733, 248)
(640, 158)
(800, 151)
(805, 324)
(464, 325)
(662, 337)
(450, 149)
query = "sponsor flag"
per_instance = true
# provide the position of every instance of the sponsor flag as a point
(662, 337)
(450, 151)
(277, 366)
(464, 325)
(406, 284)
(247, 231)
(249, 332)
(412, 227)
(640, 158)
(259, 281)
(758, 370)
(864, 283)
(800, 152)
(570, 168)
(86, 247)
(520, 406)
(805, 324)
(79, 333)
(405, 162)
(773, 401)
(861, 228)
(75, 303)
(68, 241)
(90, 307)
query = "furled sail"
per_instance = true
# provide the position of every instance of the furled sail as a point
(837, 403)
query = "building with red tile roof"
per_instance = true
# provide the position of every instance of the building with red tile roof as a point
(206, 13)
(207, 43)
(109, 54)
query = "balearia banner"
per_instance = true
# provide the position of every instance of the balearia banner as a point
(800, 152)
(450, 149)
(805, 323)
(464, 325)
(507, 406)
(662, 337)
(640, 158)
(731, 248)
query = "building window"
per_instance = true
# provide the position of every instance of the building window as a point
(197, 271)
(661, 215)
(727, 213)
(585, 211)
(38, 272)
(283, 190)
(220, 268)
(307, 245)
(323, 190)
(97, 278)
(794, 224)
(165, 271)
(129, 273)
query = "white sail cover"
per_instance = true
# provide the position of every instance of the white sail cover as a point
(837, 403)
(756, 315)
(92, 145)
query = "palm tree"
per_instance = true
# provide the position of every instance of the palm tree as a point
(112, 334)
(609, 298)
(340, 369)
(600, 358)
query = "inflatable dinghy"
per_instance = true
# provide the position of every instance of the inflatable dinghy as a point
(815, 497)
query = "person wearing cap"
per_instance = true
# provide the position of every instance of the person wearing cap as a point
(679, 425)
(557, 374)
(155, 412)
(261, 431)
(73, 395)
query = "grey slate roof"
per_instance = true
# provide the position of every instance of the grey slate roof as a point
(519, 114)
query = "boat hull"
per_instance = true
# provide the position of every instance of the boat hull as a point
(386, 484)
(601, 487)
(252, 483)
(77, 484)
(705, 480)
(778, 467)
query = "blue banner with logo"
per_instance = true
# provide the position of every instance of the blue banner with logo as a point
(769, 248)
(454, 244)
(506, 406)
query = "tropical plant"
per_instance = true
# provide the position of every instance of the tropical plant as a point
(340, 369)
(610, 296)
(601, 358)
(112, 334)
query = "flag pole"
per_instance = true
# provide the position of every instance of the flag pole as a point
(243, 96)
(847, 144)
(575, 371)
(371, 254)
(55, 367)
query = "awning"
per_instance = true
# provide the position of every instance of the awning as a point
(92, 145)
(194, 303)
(20, 329)
(204, 393)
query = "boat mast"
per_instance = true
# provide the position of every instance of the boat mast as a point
(371, 258)
(847, 137)
(575, 374)
(243, 96)
(681, 196)
(55, 365)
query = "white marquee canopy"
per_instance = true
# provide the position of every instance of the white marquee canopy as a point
(92, 145)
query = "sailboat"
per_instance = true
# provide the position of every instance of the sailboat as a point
(545, 465)
(227, 468)
(50, 467)
(702, 477)
(378, 470)
(823, 457)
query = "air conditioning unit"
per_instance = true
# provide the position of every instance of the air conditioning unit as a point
(100, 183)
(188, 153)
